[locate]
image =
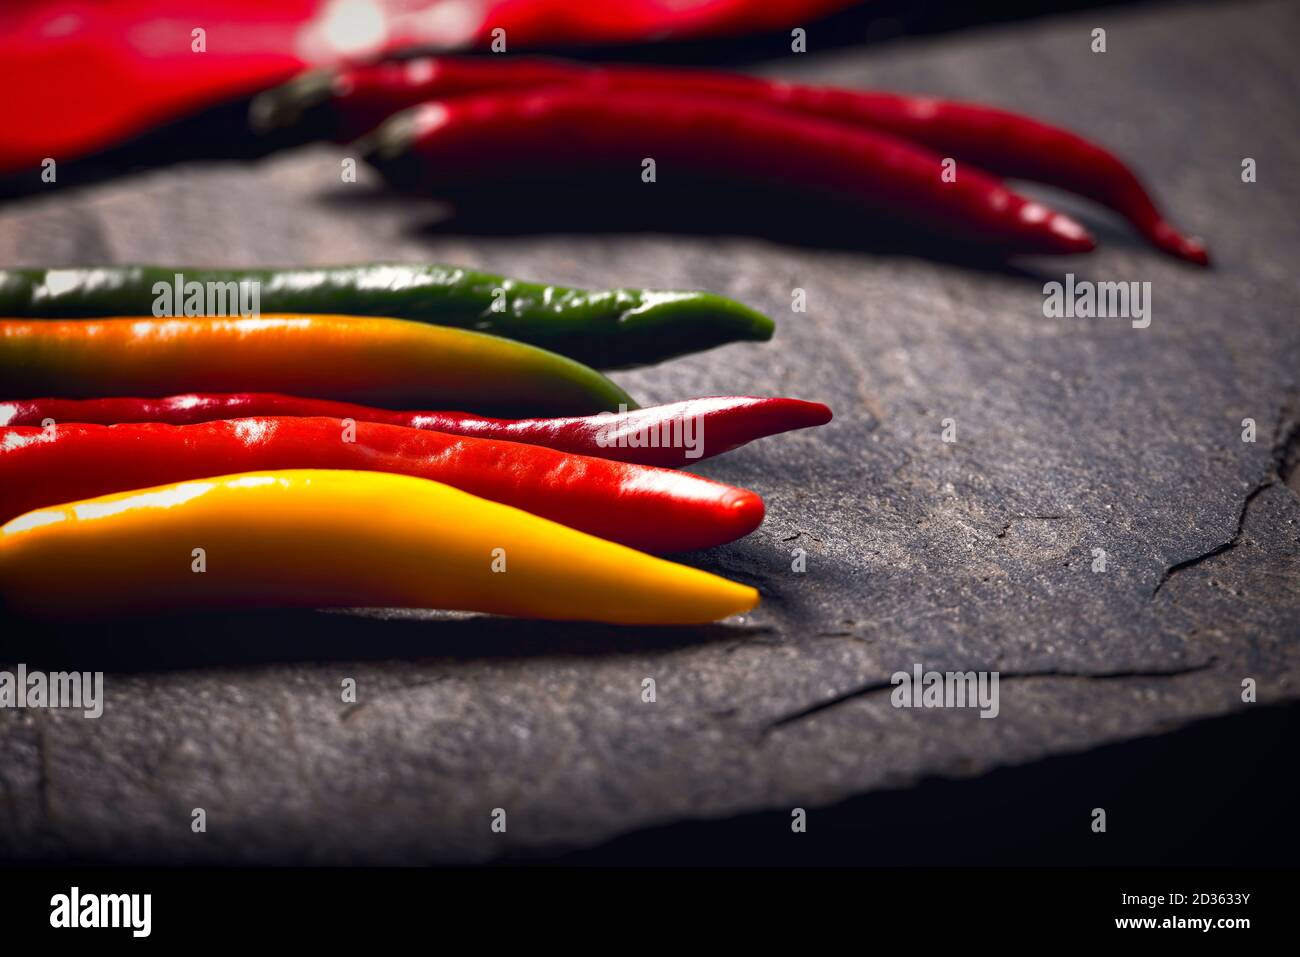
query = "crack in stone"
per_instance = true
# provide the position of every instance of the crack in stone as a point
(1229, 545)
(877, 686)
(1285, 455)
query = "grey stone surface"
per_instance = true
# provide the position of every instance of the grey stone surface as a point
(1071, 436)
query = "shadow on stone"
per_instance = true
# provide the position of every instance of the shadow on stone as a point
(173, 642)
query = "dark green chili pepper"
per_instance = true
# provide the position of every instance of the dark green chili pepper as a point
(607, 328)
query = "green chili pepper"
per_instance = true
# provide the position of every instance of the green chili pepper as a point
(608, 328)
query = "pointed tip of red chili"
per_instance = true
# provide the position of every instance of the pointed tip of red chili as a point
(770, 411)
(743, 511)
(1070, 235)
(784, 415)
(808, 414)
(733, 421)
(1187, 248)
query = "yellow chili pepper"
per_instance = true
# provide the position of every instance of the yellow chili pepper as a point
(381, 361)
(326, 538)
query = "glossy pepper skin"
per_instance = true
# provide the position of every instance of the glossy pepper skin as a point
(354, 100)
(337, 539)
(384, 361)
(663, 435)
(651, 509)
(565, 131)
(604, 328)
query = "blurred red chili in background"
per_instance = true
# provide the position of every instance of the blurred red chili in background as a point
(357, 99)
(563, 131)
(79, 77)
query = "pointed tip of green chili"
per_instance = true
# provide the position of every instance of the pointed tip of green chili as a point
(604, 391)
(616, 400)
(636, 327)
(727, 319)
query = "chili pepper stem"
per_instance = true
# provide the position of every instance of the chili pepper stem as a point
(284, 105)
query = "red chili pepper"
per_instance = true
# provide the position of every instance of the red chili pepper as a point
(573, 129)
(80, 76)
(652, 509)
(678, 430)
(1001, 142)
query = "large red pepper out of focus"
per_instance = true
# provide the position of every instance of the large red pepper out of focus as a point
(81, 76)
